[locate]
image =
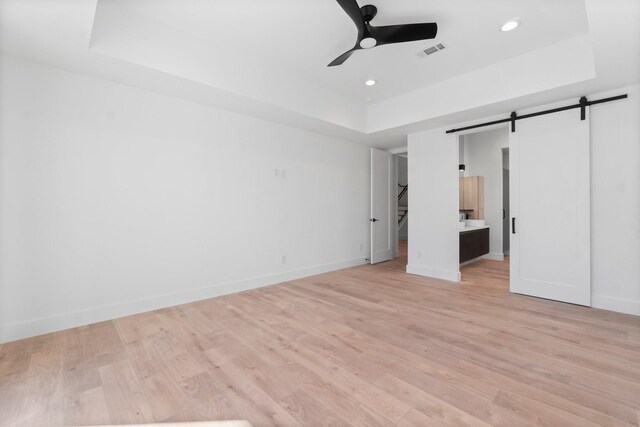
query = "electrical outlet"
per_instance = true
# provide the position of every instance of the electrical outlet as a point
(276, 172)
(361, 247)
(284, 259)
(419, 255)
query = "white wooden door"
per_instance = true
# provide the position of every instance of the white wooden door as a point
(549, 197)
(381, 219)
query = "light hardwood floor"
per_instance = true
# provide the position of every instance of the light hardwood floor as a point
(364, 346)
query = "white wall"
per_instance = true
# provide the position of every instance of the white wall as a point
(484, 158)
(433, 209)
(115, 200)
(402, 170)
(615, 202)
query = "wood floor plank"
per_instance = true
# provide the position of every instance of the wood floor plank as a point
(45, 388)
(309, 412)
(252, 401)
(14, 363)
(124, 394)
(369, 346)
(14, 405)
(86, 408)
(439, 411)
(336, 399)
(207, 397)
(418, 419)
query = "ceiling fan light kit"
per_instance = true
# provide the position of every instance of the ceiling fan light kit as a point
(368, 43)
(370, 36)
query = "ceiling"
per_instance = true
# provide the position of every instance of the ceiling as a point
(268, 58)
(304, 36)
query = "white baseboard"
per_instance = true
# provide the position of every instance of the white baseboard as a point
(621, 305)
(16, 331)
(496, 256)
(452, 276)
(471, 261)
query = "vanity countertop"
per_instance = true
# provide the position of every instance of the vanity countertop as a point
(472, 228)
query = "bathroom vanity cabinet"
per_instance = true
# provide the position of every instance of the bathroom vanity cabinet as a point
(474, 243)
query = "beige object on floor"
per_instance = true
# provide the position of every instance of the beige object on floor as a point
(229, 423)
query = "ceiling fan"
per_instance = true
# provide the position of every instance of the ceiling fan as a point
(370, 36)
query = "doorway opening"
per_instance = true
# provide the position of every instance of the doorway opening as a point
(505, 202)
(402, 203)
(483, 216)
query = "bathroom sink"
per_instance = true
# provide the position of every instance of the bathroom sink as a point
(475, 222)
(461, 225)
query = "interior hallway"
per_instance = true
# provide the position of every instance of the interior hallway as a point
(369, 345)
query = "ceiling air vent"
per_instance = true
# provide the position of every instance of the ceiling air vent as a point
(431, 50)
(434, 49)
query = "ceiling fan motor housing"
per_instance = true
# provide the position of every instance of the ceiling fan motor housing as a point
(369, 12)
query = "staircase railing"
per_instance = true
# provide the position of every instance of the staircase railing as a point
(402, 212)
(403, 191)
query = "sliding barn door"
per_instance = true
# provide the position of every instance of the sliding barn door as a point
(550, 220)
(381, 221)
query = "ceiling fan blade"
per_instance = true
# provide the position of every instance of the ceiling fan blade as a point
(403, 33)
(353, 10)
(340, 59)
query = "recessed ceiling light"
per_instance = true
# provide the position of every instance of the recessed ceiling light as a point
(510, 25)
(370, 82)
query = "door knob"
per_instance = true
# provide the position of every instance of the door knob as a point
(373, 220)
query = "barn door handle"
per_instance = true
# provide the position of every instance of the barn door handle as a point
(513, 226)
